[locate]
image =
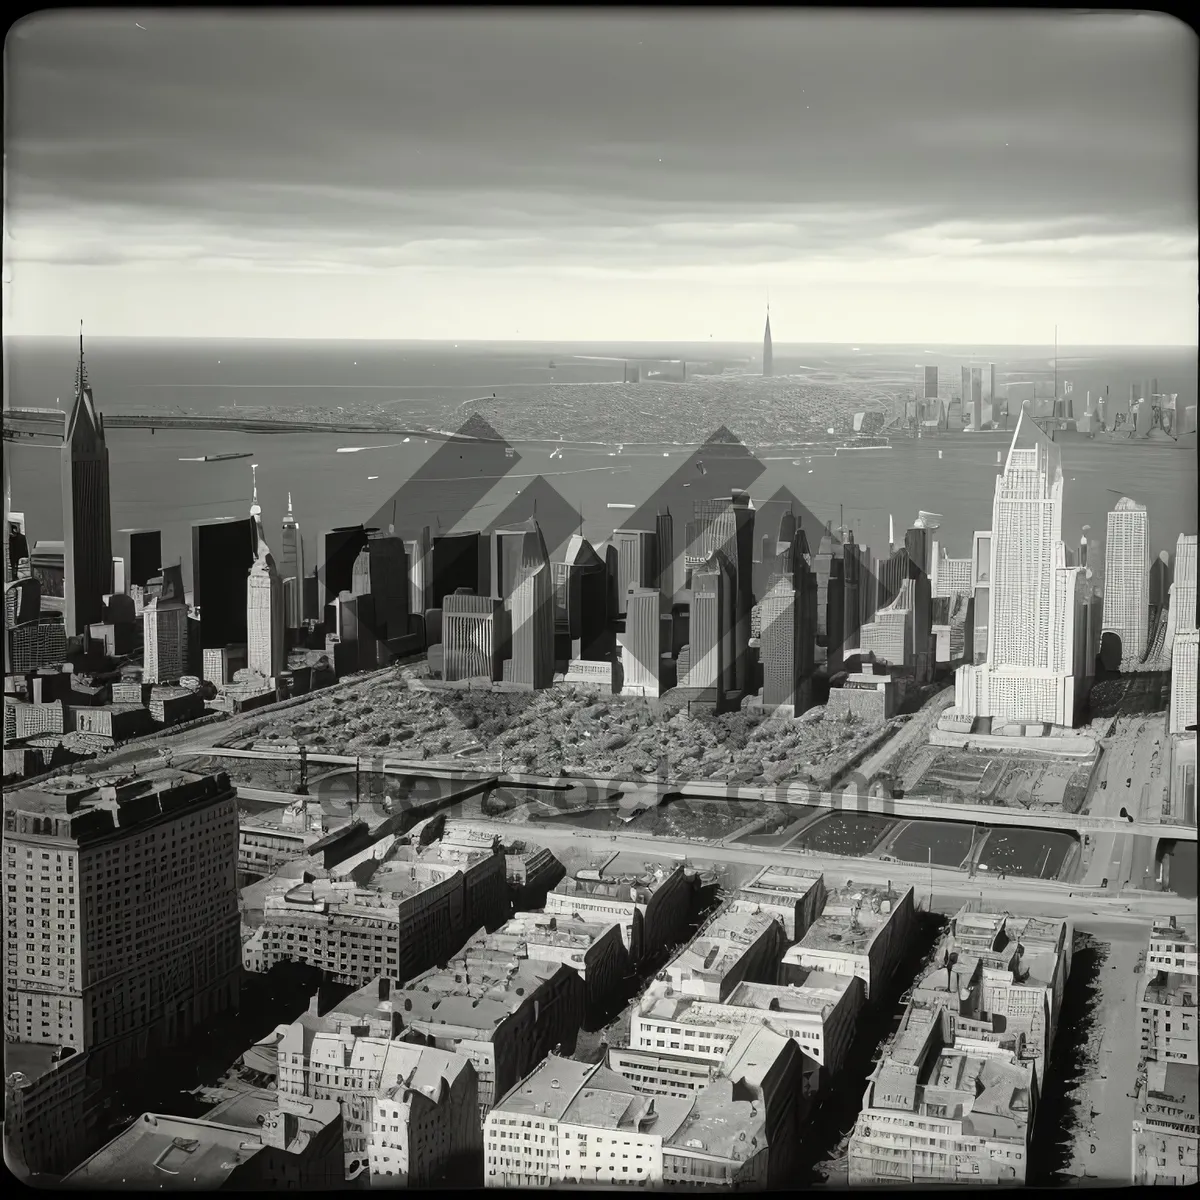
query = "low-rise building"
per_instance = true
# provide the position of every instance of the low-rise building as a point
(936, 1113)
(818, 1015)
(650, 901)
(297, 1146)
(173, 705)
(1001, 978)
(791, 895)
(269, 839)
(115, 721)
(49, 1109)
(1168, 1003)
(408, 1111)
(593, 949)
(863, 930)
(581, 1124)
(1165, 1130)
(733, 947)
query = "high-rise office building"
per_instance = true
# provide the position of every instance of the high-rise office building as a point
(789, 628)
(418, 554)
(931, 383)
(165, 628)
(641, 644)
(470, 637)
(826, 565)
(768, 350)
(1020, 680)
(141, 876)
(664, 539)
(222, 554)
(266, 652)
(533, 616)
(637, 563)
(291, 566)
(976, 397)
(87, 512)
(337, 551)
(712, 628)
(1181, 610)
(581, 602)
(1127, 577)
(1183, 680)
(458, 561)
(145, 556)
(381, 572)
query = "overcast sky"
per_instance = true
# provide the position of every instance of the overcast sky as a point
(885, 177)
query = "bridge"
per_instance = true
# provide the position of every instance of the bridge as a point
(846, 800)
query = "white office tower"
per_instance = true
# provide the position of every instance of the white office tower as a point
(1183, 680)
(1034, 657)
(1181, 606)
(164, 640)
(1127, 578)
(264, 606)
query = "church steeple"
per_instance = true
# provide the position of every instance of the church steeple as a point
(768, 357)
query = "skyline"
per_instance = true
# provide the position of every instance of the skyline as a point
(1022, 173)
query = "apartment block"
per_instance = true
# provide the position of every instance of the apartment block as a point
(818, 1015)
(937, 1113)
(790, 895)
(296, 1145)
(650, 902)
(733, 947)
(572, 1123)
(120, 912)
(1165, 1130)
(49, 1109)
(408, 1111)
(862, 931)
(1167, 1009)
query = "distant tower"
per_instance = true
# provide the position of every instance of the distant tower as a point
(165, 628)
(664, 538)
(87, 516)
(291, 566)
(264, 605)
(768, 355)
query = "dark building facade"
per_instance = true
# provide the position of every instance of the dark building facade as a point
(145, 556)
(222, 554)
(458, 562)
(87, 512)
(335, 570)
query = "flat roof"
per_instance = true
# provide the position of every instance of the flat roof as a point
(548, 1090)
(720, 1126)
(31, 1059)
(159, 1151)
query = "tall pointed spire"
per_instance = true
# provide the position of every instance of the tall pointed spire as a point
(768, 355)
(255, 510)
(81, 379)
(289, 504)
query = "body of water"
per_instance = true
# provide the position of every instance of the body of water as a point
(434, 385)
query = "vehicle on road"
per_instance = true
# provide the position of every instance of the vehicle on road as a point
(1104, 882)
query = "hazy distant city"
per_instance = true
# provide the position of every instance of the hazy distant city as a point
(591, 756)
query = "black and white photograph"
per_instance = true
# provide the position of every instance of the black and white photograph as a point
(600, 598)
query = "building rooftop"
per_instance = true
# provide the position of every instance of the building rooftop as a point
(159, 1151)
(248, 1109)
(788, 883)
(719, 1125)
(752, 1056)
(850, 920)
(33, 1060)
(721, 945)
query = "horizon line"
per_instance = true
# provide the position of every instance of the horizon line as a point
(610, 341)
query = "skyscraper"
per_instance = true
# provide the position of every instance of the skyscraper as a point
(1127, 577)
(931, 383)
(713, 618)
(470, 637)
(533, 616)
(145, 869)
(222, 554)
(581, 601)
(265, 645)
(977, 398)
(768, 353)
(145, 556)
(337, 550)
(788, 634)
(1181, 610)
(87, 513)
(641, 644)
(664, 538)
(1024, 678)
(291, 566)
(458, 560)
(418, 553)
(381, 572)
(637, 563)
(165, 628)
(1183, 680)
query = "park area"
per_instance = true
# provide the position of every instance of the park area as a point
(1005, 778)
